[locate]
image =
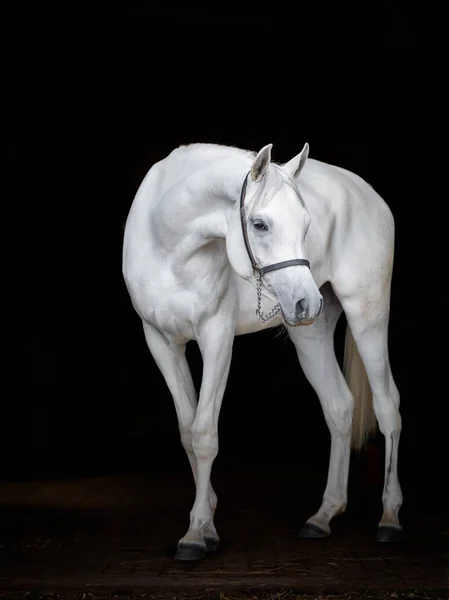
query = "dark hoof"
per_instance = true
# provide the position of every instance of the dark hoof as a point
(190, 551)
(388, 533)
(310, 531)
(211, 544)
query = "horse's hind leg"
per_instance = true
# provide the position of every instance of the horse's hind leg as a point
(368, 321)
(173, 365)
(315, 348)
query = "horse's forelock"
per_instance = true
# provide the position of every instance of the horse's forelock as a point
(270, 184)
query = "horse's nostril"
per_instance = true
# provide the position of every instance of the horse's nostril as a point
(300, 306)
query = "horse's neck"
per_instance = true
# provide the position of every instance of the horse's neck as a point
(210, 176)
(195, 209)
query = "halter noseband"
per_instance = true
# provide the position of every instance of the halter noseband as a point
(262, 270)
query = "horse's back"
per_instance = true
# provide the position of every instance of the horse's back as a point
(341, 189)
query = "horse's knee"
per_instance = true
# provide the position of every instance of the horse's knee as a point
(205, 441)
(339, 416)
(388, 415)
(186, 438)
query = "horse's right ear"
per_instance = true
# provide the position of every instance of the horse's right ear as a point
(261, 162)
(295, 165)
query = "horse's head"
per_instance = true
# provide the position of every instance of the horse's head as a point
(270, 230)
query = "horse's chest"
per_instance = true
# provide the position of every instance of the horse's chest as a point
(173, 306)
(247, 320)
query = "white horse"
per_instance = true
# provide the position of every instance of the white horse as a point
(215, 237)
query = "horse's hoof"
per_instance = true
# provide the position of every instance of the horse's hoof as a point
(389, 533)
(190, 551)
(310, 531)
(211, 543)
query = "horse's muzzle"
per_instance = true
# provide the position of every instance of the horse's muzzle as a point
(304, 313)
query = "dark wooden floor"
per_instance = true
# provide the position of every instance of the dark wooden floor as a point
(119, 533)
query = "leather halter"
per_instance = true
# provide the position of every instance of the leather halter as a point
(262, 270)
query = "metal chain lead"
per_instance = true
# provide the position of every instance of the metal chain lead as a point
(273, 312)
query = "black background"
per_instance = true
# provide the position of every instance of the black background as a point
(97, 100)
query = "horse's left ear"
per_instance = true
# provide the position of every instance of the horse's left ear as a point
(295, 165)
(261, 162)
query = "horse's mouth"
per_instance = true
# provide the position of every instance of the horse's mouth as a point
(306, 322)
(298, 323)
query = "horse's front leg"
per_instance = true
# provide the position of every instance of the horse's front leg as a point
(172, 362)
(215, 339)
(315, 348)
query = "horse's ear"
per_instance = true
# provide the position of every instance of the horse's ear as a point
(261, 162)
(295, 165)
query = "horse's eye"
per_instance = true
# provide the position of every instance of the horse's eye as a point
(260, 225)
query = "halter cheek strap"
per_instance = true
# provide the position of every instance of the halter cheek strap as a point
(262, 270)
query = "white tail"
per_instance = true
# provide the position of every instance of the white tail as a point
(364, 423)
